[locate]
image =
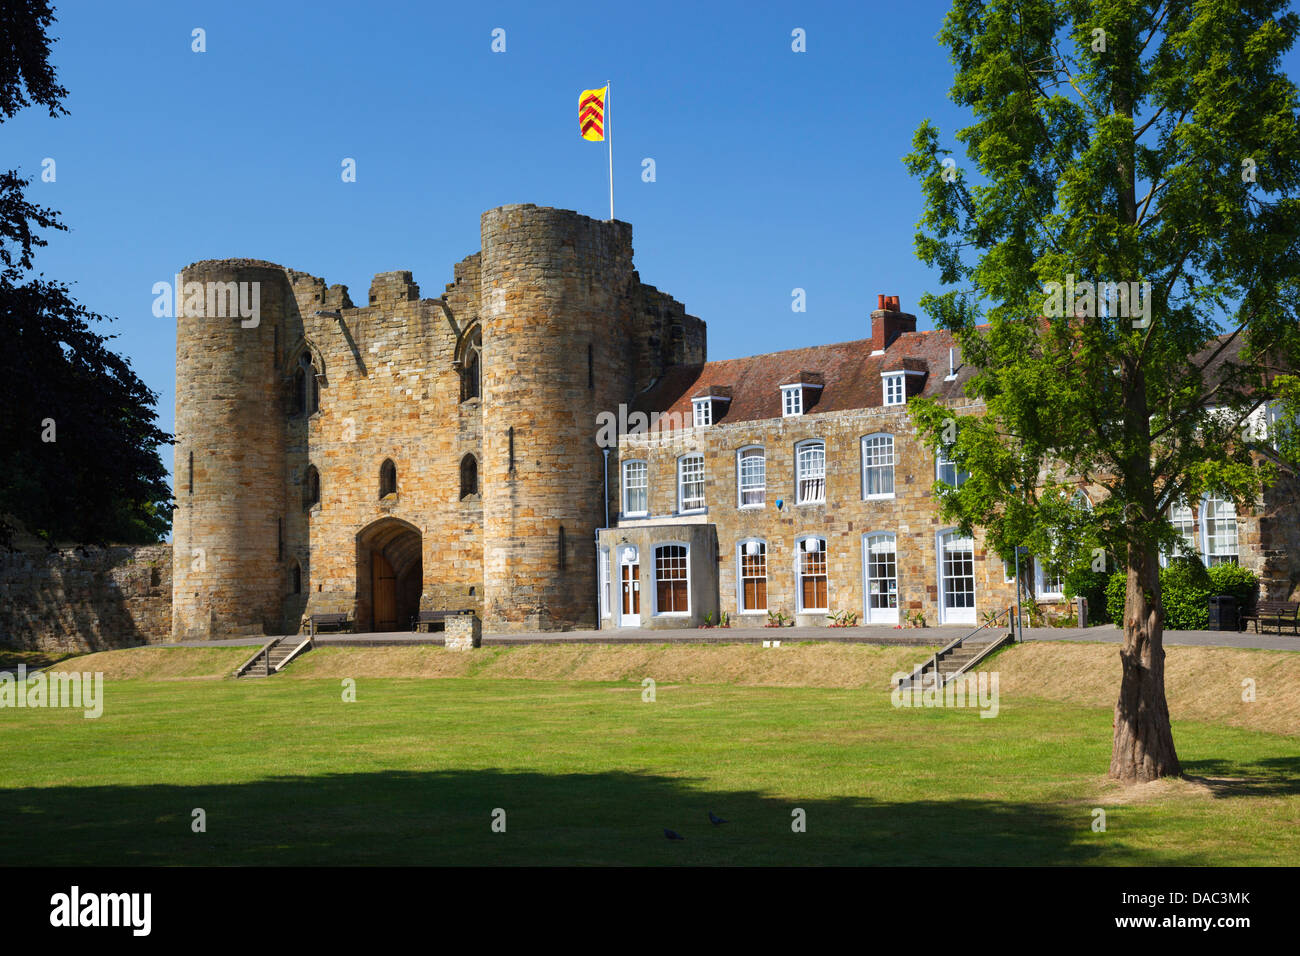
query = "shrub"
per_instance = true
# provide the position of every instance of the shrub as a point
(1185, 587)
(1092, 586)
(1233, 579)
(1116, 589)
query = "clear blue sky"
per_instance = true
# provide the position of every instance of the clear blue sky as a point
(775, 169)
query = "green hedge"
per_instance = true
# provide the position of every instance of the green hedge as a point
(1235, 580)
(1185, 588)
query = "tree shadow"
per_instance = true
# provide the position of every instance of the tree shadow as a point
(446, 817)
(1266, 777)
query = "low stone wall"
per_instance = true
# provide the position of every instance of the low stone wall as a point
(85, 599)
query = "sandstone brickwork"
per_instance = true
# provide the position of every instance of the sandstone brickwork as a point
(415, 453)
(73, 600)
(563, 327)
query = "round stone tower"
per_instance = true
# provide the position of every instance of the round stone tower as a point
(554, 302)
(227, 529)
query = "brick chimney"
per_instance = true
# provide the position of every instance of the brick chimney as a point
(888, 322)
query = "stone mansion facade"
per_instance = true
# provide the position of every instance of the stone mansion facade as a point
(443, 453)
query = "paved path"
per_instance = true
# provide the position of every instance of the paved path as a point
(915, 637)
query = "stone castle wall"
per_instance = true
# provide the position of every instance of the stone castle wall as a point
(229, 458)
(85, 599)
(567, 330)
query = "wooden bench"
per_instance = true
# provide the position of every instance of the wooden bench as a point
(435, 620)
(328, 622)
(1277, 614)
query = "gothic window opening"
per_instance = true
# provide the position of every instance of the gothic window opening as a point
(311, 487)
(306, 386)
(387, 478)
(468, 477)
(471, 367)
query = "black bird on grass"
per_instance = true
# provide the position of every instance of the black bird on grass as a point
(673, 835)
(715, 819)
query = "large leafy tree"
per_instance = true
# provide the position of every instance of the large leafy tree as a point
(79, 456)
(1115, 141)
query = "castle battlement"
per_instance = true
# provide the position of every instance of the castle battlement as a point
(412, 453)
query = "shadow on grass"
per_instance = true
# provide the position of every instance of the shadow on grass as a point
(1266, 777)
(10, 658)
(444, 818)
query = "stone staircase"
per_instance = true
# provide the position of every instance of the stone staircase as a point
(962, 654)
(273, 657)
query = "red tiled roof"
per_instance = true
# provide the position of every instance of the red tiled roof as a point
(850, 375)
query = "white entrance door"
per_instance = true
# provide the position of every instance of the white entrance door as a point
(956, 579)
(880, 566)
(629, 567)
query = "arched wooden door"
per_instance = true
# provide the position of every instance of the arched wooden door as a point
(383, 591)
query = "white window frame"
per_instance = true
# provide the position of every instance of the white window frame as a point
(798, 574)
(681, 485)
(645, 487)
(884, 615)
(748, 451)
(799, 476)
(941, 461)
(654, 579)
(950, 615)
(791, 400)
(703, 411)
(1183, 518)
(1040, 582)
(740, 579)
(878, 465)
(1212, 557)
(605, 584)
(895, 388)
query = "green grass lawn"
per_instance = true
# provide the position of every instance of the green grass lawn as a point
(587, 773)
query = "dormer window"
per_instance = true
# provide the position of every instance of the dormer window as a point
(709, 404)
(800, 392)
(901, 379)
(703, 412)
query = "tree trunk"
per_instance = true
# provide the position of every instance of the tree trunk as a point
(1144, 744)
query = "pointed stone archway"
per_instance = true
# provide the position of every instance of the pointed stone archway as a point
(390, 575)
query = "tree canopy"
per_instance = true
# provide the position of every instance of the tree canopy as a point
(1121, 245)
(79, 444)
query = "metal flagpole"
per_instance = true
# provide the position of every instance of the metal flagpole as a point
(609, 136)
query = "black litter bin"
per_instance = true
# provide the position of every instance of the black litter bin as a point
(1223, 612)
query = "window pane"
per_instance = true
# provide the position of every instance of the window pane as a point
(635, 487)
(958, 563)
(812, 576)
(811, 468)
(691, 470)
(947, 471)
(670, 578)
(1220, 532)
(753, 577)
(753, 477)
(878, 465)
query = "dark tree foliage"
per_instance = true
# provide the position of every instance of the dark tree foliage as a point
(100, 479)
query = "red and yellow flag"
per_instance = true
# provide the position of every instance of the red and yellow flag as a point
(591, 114)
